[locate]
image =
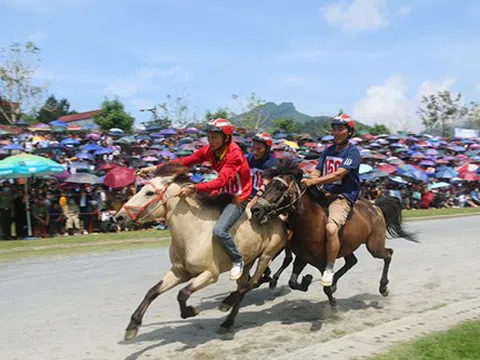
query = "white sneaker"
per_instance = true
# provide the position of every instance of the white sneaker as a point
(327, 278)
(236, 270)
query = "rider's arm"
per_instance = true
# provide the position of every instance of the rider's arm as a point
(330, 178)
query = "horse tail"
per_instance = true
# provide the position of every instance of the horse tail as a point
(392, 212)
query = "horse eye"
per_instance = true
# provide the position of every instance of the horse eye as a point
(150, 193)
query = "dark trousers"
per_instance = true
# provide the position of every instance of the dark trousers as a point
(85, 217)
(6, 220)
(21, 225)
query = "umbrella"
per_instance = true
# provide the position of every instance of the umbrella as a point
(387, 168)
(468, 167)
(143, 137)
(94, 137)
(426, 163)
(191, 130)
(91, 147)
(83, 178)
(13, 147)
(84, 155)
(74, 128)
(70, 141)
(166, 154)
(126, 140)
(395, 161)
(58, 123)
(24, 166)
(327, 138)
(4, 132)
(364, 168)
(150, 159)
(102, 151)
(79, 166)
(108, 167)
(291, 144)
(21, 123)
(438, 185)
(116, 132)
(469, 176)
(168, 132)
(157, 135)
(399, 180)
(119, 177)
(153, 128)
(136, 163)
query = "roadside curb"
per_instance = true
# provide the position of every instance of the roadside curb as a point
(435, 217)
(379, 339)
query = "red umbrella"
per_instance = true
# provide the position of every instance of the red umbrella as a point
(119, 177)
(387, 168)
(469, 176)
(108, 167)
(310, 144)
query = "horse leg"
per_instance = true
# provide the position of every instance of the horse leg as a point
(286, 262)
(204, 279)
(169, 281)
(229, 301)
(376, 247)
(350, 261)
(240, 293)
(298, 266)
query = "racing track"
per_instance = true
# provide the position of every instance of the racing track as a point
(77, 307)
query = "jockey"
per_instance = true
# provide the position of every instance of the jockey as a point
(338, 172)
(225, 157)
(259, 160)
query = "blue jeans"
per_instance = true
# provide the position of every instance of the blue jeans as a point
(227, 219)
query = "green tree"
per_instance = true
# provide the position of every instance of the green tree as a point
(440, 111)
(113, 115)
(254, 117)
(378, 129)
(18, 94)
(222, 112)
(284, 125)
(473, 116)
(53, 109)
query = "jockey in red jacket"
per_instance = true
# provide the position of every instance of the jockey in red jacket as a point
(225, 157)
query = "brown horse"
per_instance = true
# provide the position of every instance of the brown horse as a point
(367, 224)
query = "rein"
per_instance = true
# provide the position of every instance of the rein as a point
(298, 192)
(136, 211)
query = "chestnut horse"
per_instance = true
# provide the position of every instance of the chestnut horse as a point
(367, 224)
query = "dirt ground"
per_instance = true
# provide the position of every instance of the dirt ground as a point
(77, 307)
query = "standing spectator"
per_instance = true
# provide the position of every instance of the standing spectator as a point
(71, 212)
(56, 219)
(19, 214)
(41, 217)
(84, 204)
(6, 206)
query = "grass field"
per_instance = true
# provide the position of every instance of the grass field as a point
(131, 240)
(459, 343)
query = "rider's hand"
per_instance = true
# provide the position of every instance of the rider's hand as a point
(186, 191)
(308, 181)
(252, 202)
(144, 172)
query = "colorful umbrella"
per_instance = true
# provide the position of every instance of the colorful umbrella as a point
(364, 168)
(119, 177)
(83, 178)
(438, 185)
(108, 167)
(291, 144)
(13, 147)
(94, 137)
(387, 168)
(469, 176)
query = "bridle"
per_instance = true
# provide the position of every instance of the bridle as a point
(136, 211)
(295, 199)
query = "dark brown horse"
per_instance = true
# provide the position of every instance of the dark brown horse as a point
(367, 224)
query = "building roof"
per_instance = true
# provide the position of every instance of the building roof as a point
(79, 116)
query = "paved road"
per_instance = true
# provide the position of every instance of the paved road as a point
(77, 307)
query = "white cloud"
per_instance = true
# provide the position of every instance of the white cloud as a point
(404, 11)
(356, 15)
(390, 104)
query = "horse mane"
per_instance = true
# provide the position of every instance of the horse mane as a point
(181, 177)
(284, 167)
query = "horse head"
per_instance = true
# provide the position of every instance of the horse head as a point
(282, 192)
(150, 202)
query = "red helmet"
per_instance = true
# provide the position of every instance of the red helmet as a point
(263, 138)
(220, 125)
(344, 119)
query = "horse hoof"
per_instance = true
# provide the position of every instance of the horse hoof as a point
(384, 292)
(131, 334)
(273, 284)
(223, 330)
(190, 311)
(224, 307)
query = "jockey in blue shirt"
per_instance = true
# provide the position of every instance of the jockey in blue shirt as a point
(259, 160)
(338, 172)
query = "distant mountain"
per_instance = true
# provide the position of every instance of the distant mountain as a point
(285, 110)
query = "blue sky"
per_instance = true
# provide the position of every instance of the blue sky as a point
(372, 58)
